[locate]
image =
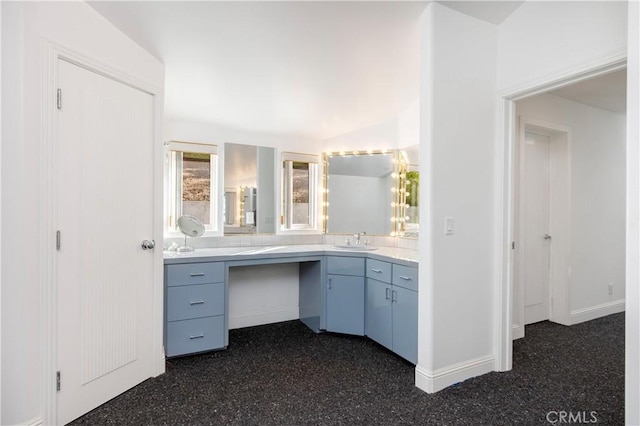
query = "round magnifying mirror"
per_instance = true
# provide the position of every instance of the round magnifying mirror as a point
(190, 226)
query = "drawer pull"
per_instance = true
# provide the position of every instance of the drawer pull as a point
(377, 271)
(197, 302)
(405, 277)
(197, 336)
(196, 274)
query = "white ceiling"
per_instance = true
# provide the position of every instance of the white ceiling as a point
(314, 69)
(608, 92)
(490, 11)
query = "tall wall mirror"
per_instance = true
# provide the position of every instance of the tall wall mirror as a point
(249, 189)
(361, 192)
(408, 192)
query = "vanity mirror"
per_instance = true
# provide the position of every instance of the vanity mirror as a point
(249, 189)
(190, 226)
(408, 193)
(361, 192)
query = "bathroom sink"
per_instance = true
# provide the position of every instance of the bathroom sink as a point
(356, 248)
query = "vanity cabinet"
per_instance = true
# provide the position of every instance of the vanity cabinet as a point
(194, 307)
(392, 307)
(345, 285)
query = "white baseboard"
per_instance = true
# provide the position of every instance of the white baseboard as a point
(517, 332)
(34, 422)
(261, 318)
(598, 311)
(434, 381)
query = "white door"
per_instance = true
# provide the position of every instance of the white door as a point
(536, 220)
(105, 210)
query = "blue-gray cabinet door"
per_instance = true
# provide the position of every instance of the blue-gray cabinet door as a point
(378, 313)
(405, 323)
(345, 304)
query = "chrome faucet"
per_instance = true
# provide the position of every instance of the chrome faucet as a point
(357, 236)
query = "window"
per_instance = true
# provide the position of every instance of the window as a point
(299, 191)
(193, 183)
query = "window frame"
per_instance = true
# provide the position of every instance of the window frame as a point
(286, 192)
(174, 183)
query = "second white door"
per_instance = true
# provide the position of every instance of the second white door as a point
(536, 222)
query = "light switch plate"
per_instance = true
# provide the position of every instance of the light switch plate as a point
(448, 225)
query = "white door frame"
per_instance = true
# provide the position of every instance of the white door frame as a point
(47, 216)
(559, 223)
(507, 132)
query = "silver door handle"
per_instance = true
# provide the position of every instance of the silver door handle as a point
(547, 236)
(148, 245)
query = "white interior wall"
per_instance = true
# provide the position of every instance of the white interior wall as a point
(1, 138)
(542, 38)
(399, 131)
(598, 196)
(409, 126)
(456, 154)
(25, 26)
(382, 135)
(632, 320)
(263, 294)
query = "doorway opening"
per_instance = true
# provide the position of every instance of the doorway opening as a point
(507, 222)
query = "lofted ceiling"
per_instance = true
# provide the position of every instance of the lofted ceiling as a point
(315, 69)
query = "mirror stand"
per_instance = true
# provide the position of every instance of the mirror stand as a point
(189, 226)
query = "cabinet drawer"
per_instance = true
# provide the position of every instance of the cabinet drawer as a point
(405, 276)
(195, 273)
(379, 270)
(345, 265)
(195, 335)
(194, 301)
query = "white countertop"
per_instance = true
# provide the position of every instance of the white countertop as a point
(240, 253)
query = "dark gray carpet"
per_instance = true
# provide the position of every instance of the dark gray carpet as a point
(283, 374)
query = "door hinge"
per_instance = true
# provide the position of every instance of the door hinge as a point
(58, 240)
(59, 99)
(57, 380)
(513, 245)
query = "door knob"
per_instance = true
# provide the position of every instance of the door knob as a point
(148, 245)
(547, 236)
